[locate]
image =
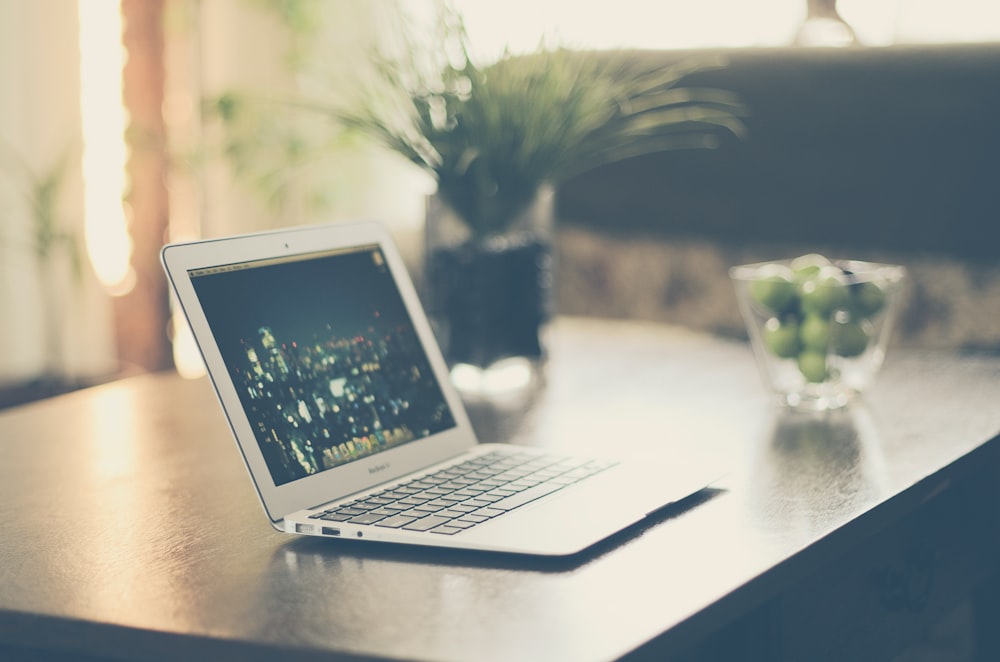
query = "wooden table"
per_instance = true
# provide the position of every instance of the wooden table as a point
(129, 529)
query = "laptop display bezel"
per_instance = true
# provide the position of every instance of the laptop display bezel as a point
(180, 259)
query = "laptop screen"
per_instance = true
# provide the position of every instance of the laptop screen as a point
(324, 356)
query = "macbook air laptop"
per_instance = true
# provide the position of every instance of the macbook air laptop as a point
(341, 406)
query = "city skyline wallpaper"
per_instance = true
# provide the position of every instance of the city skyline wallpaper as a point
(324, 358)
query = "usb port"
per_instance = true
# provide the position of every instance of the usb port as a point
(330, 531)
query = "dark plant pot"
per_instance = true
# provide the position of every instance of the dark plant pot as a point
(490, 298)
(491, 302)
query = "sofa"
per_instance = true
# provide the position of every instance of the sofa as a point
(888, 154)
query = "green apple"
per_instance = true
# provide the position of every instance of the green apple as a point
(812, 365)
(814, 332)
(867, 298)
(806, 267)
(849, 339)
(822, 295)
(774, 288)
(781, 338)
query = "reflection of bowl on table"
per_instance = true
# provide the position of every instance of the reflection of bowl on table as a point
(811, 469)
(819, 328)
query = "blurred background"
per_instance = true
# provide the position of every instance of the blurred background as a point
(129, 124)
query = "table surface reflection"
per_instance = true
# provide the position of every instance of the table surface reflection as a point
(129, 529)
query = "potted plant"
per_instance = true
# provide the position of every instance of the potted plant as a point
(496, 139)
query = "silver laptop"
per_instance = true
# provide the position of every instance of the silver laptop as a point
(341, 406)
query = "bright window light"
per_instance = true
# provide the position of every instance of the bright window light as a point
(187, 358)
(102, 58)
(521, 25)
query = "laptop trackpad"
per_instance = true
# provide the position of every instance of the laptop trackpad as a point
(581, 515)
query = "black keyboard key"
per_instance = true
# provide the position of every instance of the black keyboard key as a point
(526, 496)
(462, 523)
(578, 473)
(352, 511)
(488, 512)
(396, 521)
(428, 508)
(367, 518)
(453, 512)
(476, 519)
(427, 523)
(470, 491)
(334, 517)
(371, 504)
(413, 501)
(384, 512)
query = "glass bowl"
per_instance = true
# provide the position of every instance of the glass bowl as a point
(819, 328)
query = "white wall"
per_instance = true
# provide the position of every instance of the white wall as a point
(241, 47)
(39, 128)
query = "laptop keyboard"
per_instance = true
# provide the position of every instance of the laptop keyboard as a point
(459, 497)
